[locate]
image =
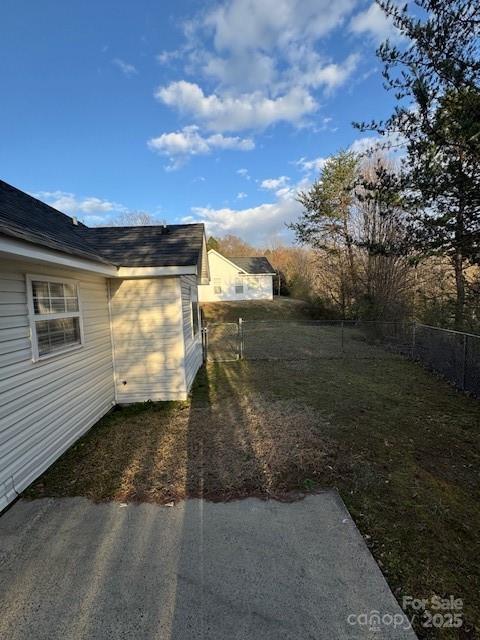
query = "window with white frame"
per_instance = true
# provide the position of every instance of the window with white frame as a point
(55, 319)
(195, 312)
(238, 286)
(217, 285)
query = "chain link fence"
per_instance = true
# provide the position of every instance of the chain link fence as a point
(453, 354)
(222, 341)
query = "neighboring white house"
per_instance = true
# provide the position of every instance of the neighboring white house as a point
(243, 278)
(88, 318)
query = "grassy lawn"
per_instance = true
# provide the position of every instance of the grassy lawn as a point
(277, 309)
(400, 445)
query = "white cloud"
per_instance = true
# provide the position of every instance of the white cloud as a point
(254, 224)
(314, 165)
(331, 75)
(91, 210)
(71, 204)
(392, 143)
(230, 113)
(244, 173)
(241, 195)
(179, 145)
(245, 71)
(375, 23)
(272, 184)
(364, 145)
(248, 44)
(273, 23)
(127, 69)
(264, 59)
(165, 57)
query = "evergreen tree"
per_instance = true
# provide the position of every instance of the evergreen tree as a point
(435, 74)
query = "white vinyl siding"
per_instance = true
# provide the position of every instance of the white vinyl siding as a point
(234, 286)
(148, 339)
(217, 286)
(46, 406)
(193, 343)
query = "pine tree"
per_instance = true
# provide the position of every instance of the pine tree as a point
(435, 75)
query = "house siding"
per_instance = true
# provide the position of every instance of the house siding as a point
(255, 287)
(193, 345)
(47, 405)
(148, 339)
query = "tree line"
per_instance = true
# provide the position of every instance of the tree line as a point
(381, 229)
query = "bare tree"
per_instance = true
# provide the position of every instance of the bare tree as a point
(384, 257)
(231, 245)
(133, 219)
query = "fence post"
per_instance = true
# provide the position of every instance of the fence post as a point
(240, 338)
(414, 337)
(203, 333)
(205, 343)
(464, 372)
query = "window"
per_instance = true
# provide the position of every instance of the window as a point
(238, 286)
(217, 285)
(252, 283)
(55, 321)
(194, 310)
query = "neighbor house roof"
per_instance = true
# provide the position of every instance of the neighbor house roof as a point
(253, 264)
(25, 218)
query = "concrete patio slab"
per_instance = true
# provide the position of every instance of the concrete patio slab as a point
(248, 569)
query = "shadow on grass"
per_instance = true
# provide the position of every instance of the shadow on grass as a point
(401, 446)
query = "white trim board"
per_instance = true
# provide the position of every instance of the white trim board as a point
(151, 272)
(18, 249)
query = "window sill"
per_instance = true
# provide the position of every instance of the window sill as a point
(49, 356)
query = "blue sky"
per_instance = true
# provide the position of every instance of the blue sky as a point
(191, 111)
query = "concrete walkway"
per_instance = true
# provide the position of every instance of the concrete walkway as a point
(70, 569)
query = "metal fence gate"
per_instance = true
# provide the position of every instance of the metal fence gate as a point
(453, 354)
(222, 341)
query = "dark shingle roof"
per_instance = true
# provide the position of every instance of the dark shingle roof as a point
(253, 264)
(152, 246)
(26, 218)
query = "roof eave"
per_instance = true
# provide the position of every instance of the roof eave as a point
(15, 248)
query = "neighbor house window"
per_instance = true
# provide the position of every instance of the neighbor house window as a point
(55, 320)
(239, 286)
(195, 313)
(217, 285)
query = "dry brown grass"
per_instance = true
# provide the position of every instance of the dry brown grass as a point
(244, 446)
